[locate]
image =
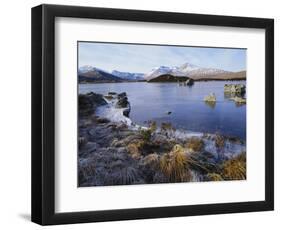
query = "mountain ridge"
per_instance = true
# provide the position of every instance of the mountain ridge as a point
(89, 73)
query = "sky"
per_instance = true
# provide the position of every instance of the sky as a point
(142, 58)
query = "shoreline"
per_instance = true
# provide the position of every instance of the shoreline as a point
(116, 115)
(133, 154)
(144, 81)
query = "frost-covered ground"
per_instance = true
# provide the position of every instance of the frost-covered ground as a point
(113, 150)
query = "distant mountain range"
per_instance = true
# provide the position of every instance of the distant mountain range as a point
(186, 70)
(128, 75)
(93, 74)
(87, 74)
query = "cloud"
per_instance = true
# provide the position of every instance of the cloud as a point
(142, 58)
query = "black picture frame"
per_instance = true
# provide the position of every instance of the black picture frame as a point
(43, 114)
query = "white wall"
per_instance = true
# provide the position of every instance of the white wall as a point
(15, 113)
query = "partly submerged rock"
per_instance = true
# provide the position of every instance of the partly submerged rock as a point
(235, 88)
(121, 95)
(126, 111)
(238, 100)
(189, 82)
(89, 102)
(210, 98)
(123, 103)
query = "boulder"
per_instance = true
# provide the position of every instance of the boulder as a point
(189, 82)
(89, 102)
(127, 111)
(121, 95)
(122, 103)
(210, 98)
(235, 88)
(238, 100)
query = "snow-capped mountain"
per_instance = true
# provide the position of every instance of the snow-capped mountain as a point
(92, 74)
(187, 67)
(185, 70)
(85, 69)
(128, 75)
(157, 71)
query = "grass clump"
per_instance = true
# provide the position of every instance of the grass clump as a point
(195, 144)
(166, 126)
(146, 134)
(214, 177)
(174, 165)
(151, 160)
(87, 170)
(219, 141)
(125, 176)
(235, 168)
(135, 149)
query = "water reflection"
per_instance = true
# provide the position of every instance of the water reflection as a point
(211, 104)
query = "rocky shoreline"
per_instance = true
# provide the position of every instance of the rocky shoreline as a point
(115, 151)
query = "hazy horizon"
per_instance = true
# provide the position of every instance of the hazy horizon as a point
(143, 58)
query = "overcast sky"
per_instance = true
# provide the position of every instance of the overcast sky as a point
(142, 58)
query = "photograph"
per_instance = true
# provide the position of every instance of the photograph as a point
(150, 114)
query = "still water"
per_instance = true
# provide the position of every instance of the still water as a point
(188, 111)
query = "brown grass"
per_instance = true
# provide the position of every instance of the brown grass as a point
(214, 177)
(195, 144)
(174, 165)
(219, 141)
(152, 160)
(135, 149)
(235, 168)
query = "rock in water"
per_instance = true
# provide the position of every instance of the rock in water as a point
(238, 100)
(189, 82)
(123, 103)
(89, 102)
(126, 112)
(210, 98)
(235, 88)
(121, 95)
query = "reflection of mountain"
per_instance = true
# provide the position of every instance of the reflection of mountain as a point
(196, 73)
